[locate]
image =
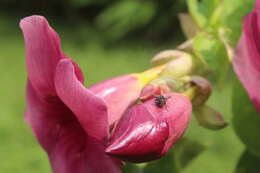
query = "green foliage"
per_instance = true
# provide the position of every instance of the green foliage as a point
(246, 121)
(220, 27)
(211, 50)
(114, 19)
(125, 15)
(248, 163)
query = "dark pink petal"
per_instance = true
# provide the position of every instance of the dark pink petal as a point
(89, 109)
(118, 94)
(138, 137)
(247, 58)
(146, 132)
(69, 148)
(43, 52)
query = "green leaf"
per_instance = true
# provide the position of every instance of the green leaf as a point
(212, 51)
(202, 10)
(232, 14)
(185, 151)
(246, 121)
(165, 164)
(132, 168)
(248, 163)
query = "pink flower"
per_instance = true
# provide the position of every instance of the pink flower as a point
(70, 121)
(246, 62)
(147, 131)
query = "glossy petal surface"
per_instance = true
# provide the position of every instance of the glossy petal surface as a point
(146, 132)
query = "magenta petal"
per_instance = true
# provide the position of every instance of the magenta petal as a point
(88, 159)
(43, 52)
(70, 150)
(118, 93)
(247, 58)
(257, 5)
(90, 110)
(74, 143)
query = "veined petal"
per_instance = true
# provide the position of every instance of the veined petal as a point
(89, 109)
(43, 52)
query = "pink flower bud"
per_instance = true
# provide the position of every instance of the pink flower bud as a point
(147, 131)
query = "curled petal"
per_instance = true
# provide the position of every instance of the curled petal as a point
(89, 109)
(43, 52)
(74, 142)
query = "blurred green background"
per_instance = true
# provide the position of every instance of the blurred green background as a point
(106, 38)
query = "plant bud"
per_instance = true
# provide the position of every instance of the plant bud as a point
(203, 90)
(209, 118)
(178, 67)
(148, 130)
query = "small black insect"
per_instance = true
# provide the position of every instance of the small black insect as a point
(160, 101)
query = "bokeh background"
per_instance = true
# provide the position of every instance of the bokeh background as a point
(106, 38)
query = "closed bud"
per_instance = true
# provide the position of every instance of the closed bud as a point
(174, 85)
(148, 130)
(209, 118)
(178, 67)
(177, 63)
(203, 90)
(186, 46)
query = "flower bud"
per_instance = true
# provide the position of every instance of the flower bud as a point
(203, 90)
(209, 118)
(120, 92)
(186, 46)
(178, 67)
(147, 131)
(174, 85)
(177, 63)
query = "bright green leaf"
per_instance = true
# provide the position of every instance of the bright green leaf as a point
(212, 51)
(202, 10)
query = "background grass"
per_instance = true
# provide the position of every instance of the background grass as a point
(19, 151)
